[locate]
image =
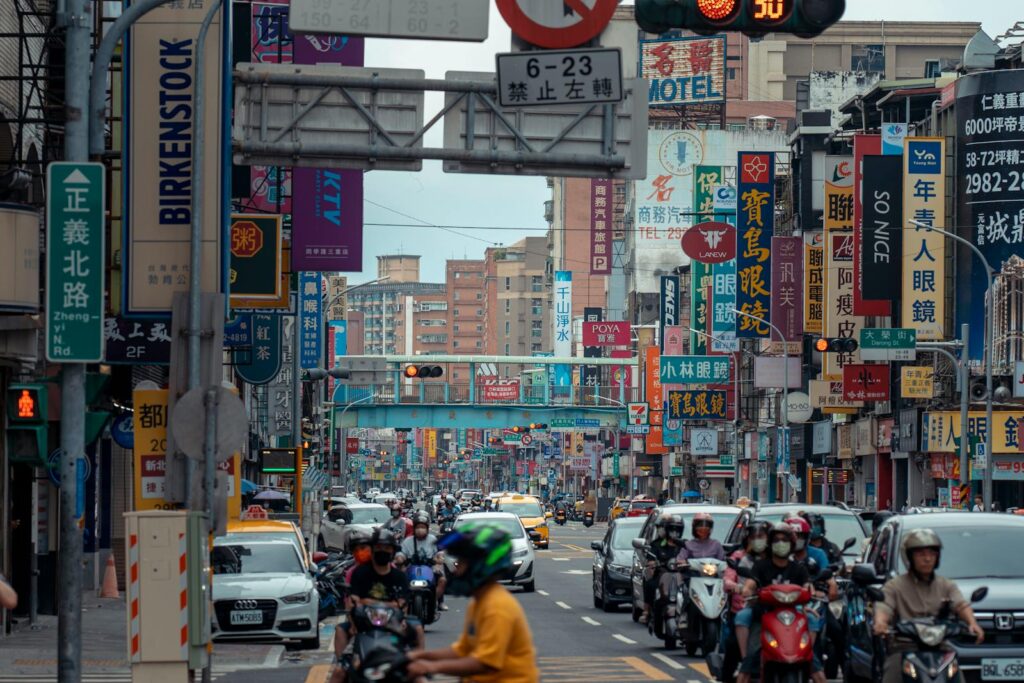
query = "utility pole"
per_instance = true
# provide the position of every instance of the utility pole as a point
(78, 43)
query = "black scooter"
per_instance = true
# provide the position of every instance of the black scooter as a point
(381, 643)
(588, 519)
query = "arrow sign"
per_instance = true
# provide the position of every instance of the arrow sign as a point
(557, 23)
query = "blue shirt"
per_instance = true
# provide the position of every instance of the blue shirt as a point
(819, 556)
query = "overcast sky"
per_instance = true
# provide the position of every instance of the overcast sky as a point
(434, 197)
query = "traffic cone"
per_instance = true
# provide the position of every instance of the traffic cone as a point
(109, 588)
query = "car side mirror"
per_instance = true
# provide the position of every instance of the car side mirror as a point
(638, 544)
(979, 594)
(850, 542)
(596, 545)
(864, 575)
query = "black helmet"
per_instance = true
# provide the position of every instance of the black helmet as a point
(880, 518)
(675, 526)
(384, 536)
(421, 517)
(817, 523)
(756, 527)
(358, 537)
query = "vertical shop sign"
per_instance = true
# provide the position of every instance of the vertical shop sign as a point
(669, 314)
(880, 246)
(924, 251)
(787, 287)
(562, 323)
(755, 224)
(814, 281)
(600, 227)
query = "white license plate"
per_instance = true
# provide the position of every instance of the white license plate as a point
(247, 617)
(1002, 669)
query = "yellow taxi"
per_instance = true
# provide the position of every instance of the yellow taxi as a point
(254, 521)
(618, 508)
(530, 513)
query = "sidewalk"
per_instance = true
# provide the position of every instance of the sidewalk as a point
(33, 650)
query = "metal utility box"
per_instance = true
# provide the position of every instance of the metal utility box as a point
(168, 575)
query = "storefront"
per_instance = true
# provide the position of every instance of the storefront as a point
(907, 480)
(884, 490)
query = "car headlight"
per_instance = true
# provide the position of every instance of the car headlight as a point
(618, 569)
(522, 552)
(297, 599)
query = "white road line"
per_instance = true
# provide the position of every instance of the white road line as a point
(560, 559)
(544, 593)
(668, 661)
(273, 658)
(563, 605)
(627, 641)
(592, 622)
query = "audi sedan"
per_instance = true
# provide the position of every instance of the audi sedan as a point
(522, 572)
(262, 591)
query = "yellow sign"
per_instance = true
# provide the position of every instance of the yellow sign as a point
(941, 429)
(430, 446)
(839, 318)
(924, 252)
(150, 424)
(917, 382)
(814, 281)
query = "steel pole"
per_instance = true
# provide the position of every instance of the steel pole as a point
(965, 384)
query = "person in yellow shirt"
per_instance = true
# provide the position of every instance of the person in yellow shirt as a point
(496, 644)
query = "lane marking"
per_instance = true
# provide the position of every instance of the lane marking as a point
(563, 605)
(701, 668)
(319, 673)
(592, 622)
(624, 639)
(273, 658)
(559, 559)
(544, 593)
(668, 661)
(652, 672)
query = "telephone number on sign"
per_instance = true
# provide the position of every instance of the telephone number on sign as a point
(995, 181)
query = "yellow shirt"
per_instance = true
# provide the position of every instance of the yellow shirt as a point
(496, 633)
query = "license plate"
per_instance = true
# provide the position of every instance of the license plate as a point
(247, 617)
(1002, 669)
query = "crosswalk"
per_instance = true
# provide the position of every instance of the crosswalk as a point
(114, 676)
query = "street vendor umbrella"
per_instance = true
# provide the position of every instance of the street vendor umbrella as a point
(691, 494)
(270, 494)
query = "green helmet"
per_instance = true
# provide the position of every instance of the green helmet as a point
(486, 548)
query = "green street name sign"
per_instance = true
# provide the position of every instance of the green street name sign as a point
(562, 423)
(888, 344)
(75, 206)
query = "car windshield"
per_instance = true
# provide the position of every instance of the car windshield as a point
(373, 515)
(838, 528)
(623, 535)
(525, 508)
(512, 526)
(723, 521)
(255, 558)
(979, 552)
(642, 505)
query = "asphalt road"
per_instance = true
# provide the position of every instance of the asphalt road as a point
(575, 641)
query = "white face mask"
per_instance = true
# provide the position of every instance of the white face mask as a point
(781, 548)
(801, 543)
(759, 545)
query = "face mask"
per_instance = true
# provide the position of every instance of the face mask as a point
(781, 548)
(801, 543)
(396, 513)
(362, 555)
(759, 545)
(381, 557)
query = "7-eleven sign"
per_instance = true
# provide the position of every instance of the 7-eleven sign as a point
(638, 413)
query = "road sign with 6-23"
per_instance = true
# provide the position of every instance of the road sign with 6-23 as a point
(75, 205)
(888, 344)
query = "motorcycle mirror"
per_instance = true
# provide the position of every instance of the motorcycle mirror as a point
(596, 545)
(638, 544)
(979, 594)
(850, 542)
(864, 574)
(319, 556)
(875, 593)
(744, 572)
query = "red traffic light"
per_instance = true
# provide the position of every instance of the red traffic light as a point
(835, 345)
(718, 10)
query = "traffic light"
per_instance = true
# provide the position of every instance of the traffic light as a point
(835, 345)
(423, 371)
(538, 425)
(803, 18)
(26, 430)
(520, 430)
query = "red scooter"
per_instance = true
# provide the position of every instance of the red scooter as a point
(786, 652)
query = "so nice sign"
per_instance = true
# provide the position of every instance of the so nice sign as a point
(613, 333)
(711, 242)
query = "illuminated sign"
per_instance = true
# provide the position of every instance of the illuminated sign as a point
(26, 403)
(278, 460)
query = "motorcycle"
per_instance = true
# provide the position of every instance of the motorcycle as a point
(786, 652)
(701, 603)
(380, 644)
(446, 525)
(422, 589)
(560, 516)
(588, 518)
(330, 582)
(664, 623)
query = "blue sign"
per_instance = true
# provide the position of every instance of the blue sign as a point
(587, 422)
(238, 331)
(265, 360)
(782, 451)
(695, 369)
(122, 430)
(310, 320)
(924, 157)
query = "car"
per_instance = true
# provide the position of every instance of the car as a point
(263, 590)
(530, 512)
(340, 520)
(339, 500)
(384, 498)
(613, 556)
(841, 524)
(723, 515)
(640, 507)
(523, 558)
(277, 528)
(975, 553)
(618, 508)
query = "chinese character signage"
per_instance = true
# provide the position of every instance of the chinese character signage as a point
(881, 234)
(75, 261)
(839, 318)
(787, 303)
(990, 197)
(255, 246)
(941, 431)
(864, 146)
(755, 224)
(601, 226)
(327, 220)
(924, 252)
(838, 193)
(700, 286)
(281, 391)
(310, 320)
(139, 340)
(917, 381)
(684, 70)
(705, 179)
(723, 291)
(866, 382)
(265, 357)
(562, 322)
(696, 405)
(150, 422)
(695, 369)
(814, 281)
(611, 333)
(590, 375)
(828, 396)
(669, 303)
(651, 358)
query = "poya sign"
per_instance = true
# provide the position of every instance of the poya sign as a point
(614, 333)
(711, 242)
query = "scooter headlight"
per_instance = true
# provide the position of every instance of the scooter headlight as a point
(784, 597)
(418, 583)
(709, 570)
(930, 635)
(805, 640)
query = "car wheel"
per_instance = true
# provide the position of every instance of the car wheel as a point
(606, 604)
(530, 586)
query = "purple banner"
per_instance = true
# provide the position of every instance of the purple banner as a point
(327, 216)
(601, 227)
(270, 186)
(787, 302)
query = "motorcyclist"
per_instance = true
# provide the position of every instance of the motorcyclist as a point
(919, 593)
(496, 645)
(669, 530)
(755, 547)
(399, 524)
(701, 545)
(816, 561)
(423, 544)
(818, 540)
(778, 568)
(450, 511)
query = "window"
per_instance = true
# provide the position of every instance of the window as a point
(455, 296)
(456, 312)
(455, 375)
(507, 353)
(479, 344)
(479, 328)
(931, 68)
(732, 73)
(508, 284)
(534, 348)
(508, 306)
(479, 311)
(536, 283)
(868, 58)
(508, 327)
(479, 295)
(455, 328)
(455, 344)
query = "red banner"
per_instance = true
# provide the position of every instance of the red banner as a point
(352, 444)
(501, 390)
(866, 382)
(613, 333)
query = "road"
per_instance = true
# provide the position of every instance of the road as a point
(575, 642)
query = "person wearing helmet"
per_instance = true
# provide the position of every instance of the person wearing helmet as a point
(421, 548)
(701, 545)
(399, 524)
(451, 509)
(777, 568)
(918, 593)
(818, 540)
(496, 644)
(754, 540)
(669, 531)
(816, 562)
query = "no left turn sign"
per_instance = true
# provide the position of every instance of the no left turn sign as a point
(527, 440)
(557, 23)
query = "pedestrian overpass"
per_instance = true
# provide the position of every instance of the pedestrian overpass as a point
(526, 395)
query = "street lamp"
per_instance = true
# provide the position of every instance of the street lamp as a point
(990, 335)
(785, 382)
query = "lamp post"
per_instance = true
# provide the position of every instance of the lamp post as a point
(990, 335)
(785, 384)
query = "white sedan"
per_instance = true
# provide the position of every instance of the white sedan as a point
(523, 558)
(261, 591)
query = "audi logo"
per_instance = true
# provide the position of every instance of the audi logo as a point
(246, 604)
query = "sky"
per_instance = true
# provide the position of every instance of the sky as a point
(415, 201)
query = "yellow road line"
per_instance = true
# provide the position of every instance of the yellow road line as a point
(702, 668)
(319, 673)
(652, 672)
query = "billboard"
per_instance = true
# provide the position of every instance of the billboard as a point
(755, 224)
(256, 267)
(880, 241)
(864, 146)
(814, 281)
(610, 333)
(562, 325)
(787, 304)
(839, 318)
(723, 290)
(601, 226)
(924, 251)
(684, 70)
(669, 304)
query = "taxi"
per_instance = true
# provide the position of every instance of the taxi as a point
(530, 513)
(255, 520)
(618, 508)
